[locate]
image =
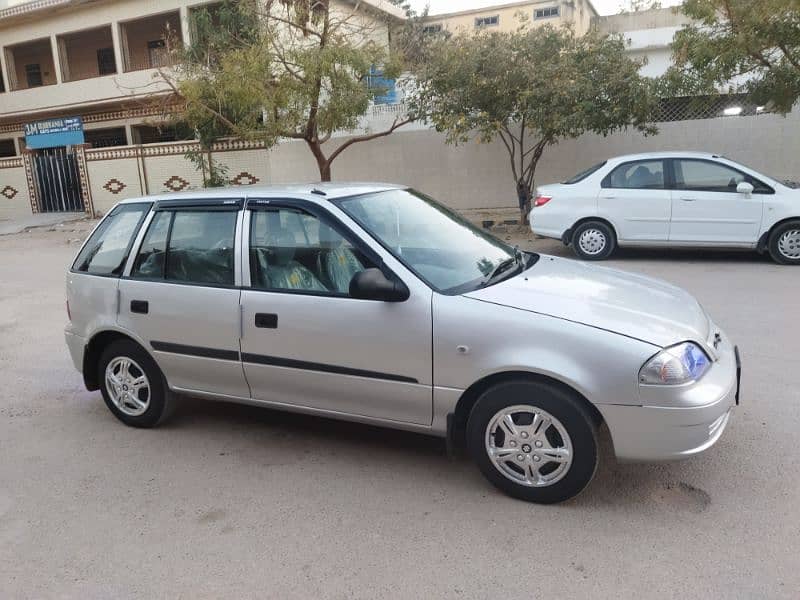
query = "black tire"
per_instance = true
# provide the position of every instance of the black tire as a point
(792, 245)
(567, 407)
(601, 234)
(160, 400)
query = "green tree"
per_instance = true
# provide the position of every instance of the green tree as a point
(758, 41)
(283, 69)
(531, 88)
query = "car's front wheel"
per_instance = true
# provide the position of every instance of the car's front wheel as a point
(535, 441)
(133, 386)
(593, 240)
(784, 243)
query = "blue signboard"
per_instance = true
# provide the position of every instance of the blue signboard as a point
(385, 89)
(61, 131)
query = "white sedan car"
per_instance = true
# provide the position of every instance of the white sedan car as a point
(670, 199)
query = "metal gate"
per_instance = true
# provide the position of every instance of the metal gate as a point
(55, 175)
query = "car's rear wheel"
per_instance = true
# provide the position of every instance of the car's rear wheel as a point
(133, 386)
(784, 243)
(535, 441)
(593, 240)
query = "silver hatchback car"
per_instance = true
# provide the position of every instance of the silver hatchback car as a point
(373, 303)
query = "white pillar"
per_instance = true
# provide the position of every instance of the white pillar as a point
(185, 28)
(117, 41)
(56, 57)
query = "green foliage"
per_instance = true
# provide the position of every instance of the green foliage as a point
(757, 40)
(532, 88)
(267, 70)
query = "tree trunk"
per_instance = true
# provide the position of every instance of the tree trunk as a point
(524, 199)
(323, 164)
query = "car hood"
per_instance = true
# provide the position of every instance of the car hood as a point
(632, 305)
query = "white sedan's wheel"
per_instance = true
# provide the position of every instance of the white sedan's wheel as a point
(784, 243)
(789, 244)
(593, 240)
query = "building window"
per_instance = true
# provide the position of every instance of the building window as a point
(546, 13)
(7, 148)
(33, 75)
(106, 138)
(492, 21)
(146, 134)
(2, 84)
(106, 64)
(437, 28)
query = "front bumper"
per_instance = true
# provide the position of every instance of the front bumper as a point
(684, 421)
(77, 346)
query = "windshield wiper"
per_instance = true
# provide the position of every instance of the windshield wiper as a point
(504, 265)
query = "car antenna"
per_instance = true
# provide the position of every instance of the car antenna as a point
(318, 192)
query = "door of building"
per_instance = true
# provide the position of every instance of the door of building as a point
(57, 181)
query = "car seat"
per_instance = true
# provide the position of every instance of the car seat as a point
(336, 263)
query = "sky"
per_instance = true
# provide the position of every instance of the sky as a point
(604, 7)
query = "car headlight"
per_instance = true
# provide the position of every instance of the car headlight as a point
(677, 364)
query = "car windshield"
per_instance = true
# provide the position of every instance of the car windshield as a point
(442, 248)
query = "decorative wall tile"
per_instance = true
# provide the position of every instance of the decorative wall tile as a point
(245, 178)
(176, 183)
(9, 192)
(114, 185)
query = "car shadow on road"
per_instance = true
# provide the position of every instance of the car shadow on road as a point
(618, 486)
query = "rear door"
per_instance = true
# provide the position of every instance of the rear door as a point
(180, 295)
(706, 208)
(307, 343)
(635, 199)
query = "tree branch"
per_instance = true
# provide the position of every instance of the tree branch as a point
(372, 136)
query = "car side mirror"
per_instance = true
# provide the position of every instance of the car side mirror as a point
(745, 188)
(372, 284)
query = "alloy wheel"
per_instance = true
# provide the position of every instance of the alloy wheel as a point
(529, 446)
(127, 386)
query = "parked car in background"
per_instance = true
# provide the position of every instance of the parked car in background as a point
(670, 199)
(374, 303)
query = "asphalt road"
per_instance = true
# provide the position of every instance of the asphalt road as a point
(231, 501)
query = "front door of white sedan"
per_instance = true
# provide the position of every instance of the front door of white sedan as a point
(706, 207)
(634, 197)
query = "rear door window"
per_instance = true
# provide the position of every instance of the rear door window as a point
(107, 249)
(189, 246)
(639, 175)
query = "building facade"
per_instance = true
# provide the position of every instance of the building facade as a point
(506, 18)
(94, 64)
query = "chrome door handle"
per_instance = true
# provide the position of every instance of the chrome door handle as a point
(688, 199)
(608, 196)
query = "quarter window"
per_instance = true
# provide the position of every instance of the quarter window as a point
(294, 251)
(708, 176)
(107, 249)
(189, 246)
(639, 175)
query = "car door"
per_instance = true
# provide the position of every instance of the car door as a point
(635, 199)
(180, 295)
(307, 343)
(706, 208)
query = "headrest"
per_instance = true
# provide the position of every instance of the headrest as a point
(283, 248)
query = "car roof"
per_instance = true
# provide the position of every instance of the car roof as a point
(314, 191)
(666, 154)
